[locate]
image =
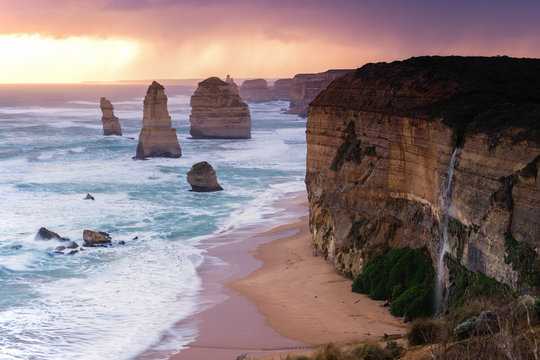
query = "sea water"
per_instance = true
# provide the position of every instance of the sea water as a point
(120, 301)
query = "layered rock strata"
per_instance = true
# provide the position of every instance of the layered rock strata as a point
(218, 113)
(282, 89)
(232, 84)
(202, 178)
(379, 144)
(111, 125)
(255, 91)
(157, 137)
(305, 87)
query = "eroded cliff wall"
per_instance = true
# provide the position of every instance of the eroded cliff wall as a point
(380, 140)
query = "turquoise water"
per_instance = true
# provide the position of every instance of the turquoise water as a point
(117, 302)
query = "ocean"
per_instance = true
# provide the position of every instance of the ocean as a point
(121, 301)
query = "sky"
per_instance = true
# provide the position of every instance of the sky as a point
(63, 41)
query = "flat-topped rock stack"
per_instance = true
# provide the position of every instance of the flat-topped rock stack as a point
(255, 91)
(232, 84)
(218, 113)
(282, 89)
(157, 137)
(111, 126)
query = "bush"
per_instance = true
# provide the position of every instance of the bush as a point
(424, 331)
(404, 276)
(394, 348)
(371, 351)
(328, 352)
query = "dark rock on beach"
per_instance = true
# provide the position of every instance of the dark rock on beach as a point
(89, 197)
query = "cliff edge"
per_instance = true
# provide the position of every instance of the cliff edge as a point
(394, 148)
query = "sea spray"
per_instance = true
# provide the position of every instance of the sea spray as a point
(446, 205)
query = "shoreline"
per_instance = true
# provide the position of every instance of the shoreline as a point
(276, 297)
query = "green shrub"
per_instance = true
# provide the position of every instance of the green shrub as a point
(424, 331)
(394, 348)
(371, 351)
(404, 276)
(328, 352)
(535, 308)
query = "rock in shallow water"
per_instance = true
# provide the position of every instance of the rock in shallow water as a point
(46, 234)
(89, 197)
(202, 178)
(92, 238)
(111, 126)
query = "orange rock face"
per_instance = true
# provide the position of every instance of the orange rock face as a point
(305, 87)
(157, 137)
(282, 89)
(111, 126)
(377, 164)
(218, 113)
(255, 91)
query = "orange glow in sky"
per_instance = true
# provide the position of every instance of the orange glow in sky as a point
(59, 41)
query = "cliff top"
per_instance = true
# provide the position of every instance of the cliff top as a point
(213, 81)
(481, 93)
(155, 86)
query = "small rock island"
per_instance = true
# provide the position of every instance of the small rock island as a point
(218, 113)
(157, 137)
(111, 126)
(202, 178)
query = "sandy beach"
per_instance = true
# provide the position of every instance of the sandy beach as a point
(276, 297)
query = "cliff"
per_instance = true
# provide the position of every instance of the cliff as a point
(157, 137)
(380, 143)
(218, 113)
(282, 89)
(232, 84)
(255, 91)
(305, 87)
(111, 126)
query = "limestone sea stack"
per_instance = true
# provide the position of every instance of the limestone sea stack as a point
(218, 113)
(255, 91)
(305, 87)
(232, 84)
(111, 126)
(202, 178)
(157, 137)
(282, 89)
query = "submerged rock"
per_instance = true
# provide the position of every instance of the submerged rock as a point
(72, 245)
(111, 126)
(255, 91)
(202, 178)
(89, 197)
(46, 234)
(17, 247)
(92, 238)
(218, 113)
(157, 137)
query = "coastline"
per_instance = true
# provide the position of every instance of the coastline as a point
(276, 297)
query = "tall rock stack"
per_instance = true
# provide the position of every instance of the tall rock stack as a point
(218, 113)
(306, 87)
(232, 84)
(255, 91)
(111, 126)
(282, 89)
(157, 137)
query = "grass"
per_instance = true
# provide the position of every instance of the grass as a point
(403, 276)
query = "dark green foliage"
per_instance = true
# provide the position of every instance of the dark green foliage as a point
(466, 285)
(523, 259)
(535, 308)
(394, 348)
(424, 331)
(404, 276)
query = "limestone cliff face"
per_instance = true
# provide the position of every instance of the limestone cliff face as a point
(282, 89)
(111, 126)
(232, 84)
(218, 113)
(157, 137)
(255, 91)
(305, 87)
(380, 140)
